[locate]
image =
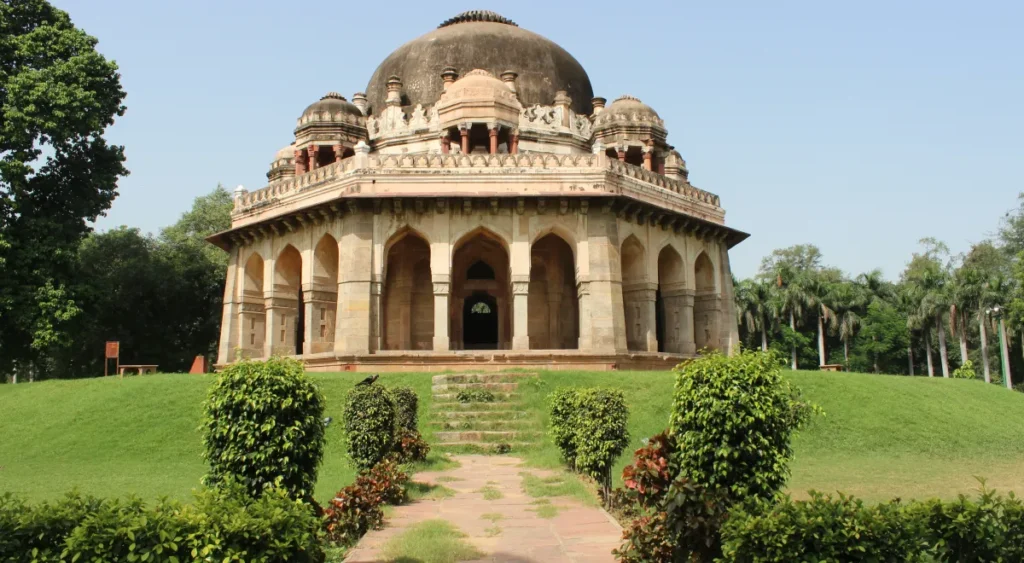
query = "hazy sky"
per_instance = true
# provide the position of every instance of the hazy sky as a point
(860, 127)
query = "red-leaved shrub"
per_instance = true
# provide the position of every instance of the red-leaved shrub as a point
(650, 475)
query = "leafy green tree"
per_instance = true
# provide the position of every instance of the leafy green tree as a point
(882, 340)
(792, 270)
(57, 173)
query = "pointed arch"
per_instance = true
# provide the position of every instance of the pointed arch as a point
(472, 330)
(408, 300)
(553, 303)
(325, 261)
(252, 314)
(669, 300)
(637, 304)
(706, 304)
(286, 307)
(323, 301)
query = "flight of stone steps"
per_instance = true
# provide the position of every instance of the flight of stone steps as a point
(484, 426)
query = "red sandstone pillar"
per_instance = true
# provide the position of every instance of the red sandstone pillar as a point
(493, 132)
(513, 143)
(339, 151)
(465, 140)
(622, 155)
(300, 167)
(446, 145)
(311, 156)
(647, 160)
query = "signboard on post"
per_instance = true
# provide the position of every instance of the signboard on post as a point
(113, 352)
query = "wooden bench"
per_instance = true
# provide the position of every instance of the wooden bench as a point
(831, 367)
(138, 369)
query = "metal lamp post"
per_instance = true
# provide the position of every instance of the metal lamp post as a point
(997, 312)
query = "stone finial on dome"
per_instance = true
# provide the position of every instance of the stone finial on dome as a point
(628, 98)
(477, 16)
(359, 100)
(333, 96)
(449, 75)
(509, 78)
(598, 104)
(394, 87)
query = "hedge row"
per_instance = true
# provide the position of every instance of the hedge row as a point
(223, 525)
(825, 528)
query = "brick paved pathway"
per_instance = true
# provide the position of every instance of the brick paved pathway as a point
(578, 533)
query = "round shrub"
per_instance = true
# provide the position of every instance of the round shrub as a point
(564, 409)
(406, 403)
(263, 426)
(602, 433)
(732, 420)
(369, 419)
(965, 371)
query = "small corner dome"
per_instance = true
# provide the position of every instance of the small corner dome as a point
(287, 153)
(628, 110)
(479, 78)
(333, 103)
(629, 105)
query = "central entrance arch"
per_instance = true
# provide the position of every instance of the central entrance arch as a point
(479, 308)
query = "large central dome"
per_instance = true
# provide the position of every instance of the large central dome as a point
(482, 40)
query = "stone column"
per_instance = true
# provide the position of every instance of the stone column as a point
(230, 316)
(686, 323)
(639, 302)
(647, 158)
(355, 274)
(339, 152)
(607, 319)
(583, 293)
(464, 134)
(307, 317)
(311, 153)
(446, 144)
(520, 312)
(441, 291)
(300, 166)
(493, 134)
(513, 141)
(621, 153)
(729, 332)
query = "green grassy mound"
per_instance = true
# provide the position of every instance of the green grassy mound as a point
(881, 436)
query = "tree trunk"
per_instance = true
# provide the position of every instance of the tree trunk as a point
(792, 326)
(963, 340)
(928, 349)
(910, 357)
(821, 341)
(984, 347)
(846, 352)
(943, 354)
(764, 338)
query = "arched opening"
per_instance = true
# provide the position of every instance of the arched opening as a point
(408, 305)
(670, 301)
(480, 274)
(635, 292)
(287, 303)
(252, 313)
(323, 300)
(552, 302)
(705, 304)
(480, 319)
(635, 156)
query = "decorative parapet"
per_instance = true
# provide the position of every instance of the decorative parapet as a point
(393, 122)
(551, 119)
(470, 164)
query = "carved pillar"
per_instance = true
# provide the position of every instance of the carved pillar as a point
(493, 134)
(639, 302)
(520, 309)
(647, 158)
(675, 312)
(300, 164)
(604, 300)
(308, 307)
(446, 144)
(441, 291)
(311, 153)
(621, 151)
(513, 141)
(356, 269)
(583, 293)
(339, 152)
(688, 344)
(464, 134)
(230, 316)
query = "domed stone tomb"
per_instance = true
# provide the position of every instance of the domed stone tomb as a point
(478, 207)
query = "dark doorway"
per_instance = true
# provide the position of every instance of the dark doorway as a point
(300, 326)
(480, 322)
(659, 320)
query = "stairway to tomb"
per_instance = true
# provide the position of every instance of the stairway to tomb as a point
(474, 425)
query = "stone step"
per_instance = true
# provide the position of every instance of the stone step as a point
(456, 387)
(473, 407)
(448, 379)
(473, 424)
(480, 415)
(480, 447)
(484, 436)
(499, 396)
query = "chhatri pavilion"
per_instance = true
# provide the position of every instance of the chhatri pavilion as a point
(477, 206)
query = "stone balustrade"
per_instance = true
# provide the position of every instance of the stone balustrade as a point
(483, 163)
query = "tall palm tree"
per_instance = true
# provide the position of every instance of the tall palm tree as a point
(792, 297)
(819, 286)
(906, 302)
(754, 308)
(848, 301)
(873, 287)
(966, 289)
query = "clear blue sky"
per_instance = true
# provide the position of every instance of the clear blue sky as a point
(860, 127)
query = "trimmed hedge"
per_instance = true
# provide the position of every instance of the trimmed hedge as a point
(406, 405)
(370, 422)
(263, 427)
(589, 426)
(825, 528)
(223, 525)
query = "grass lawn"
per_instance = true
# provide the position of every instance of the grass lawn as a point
(881, 436)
